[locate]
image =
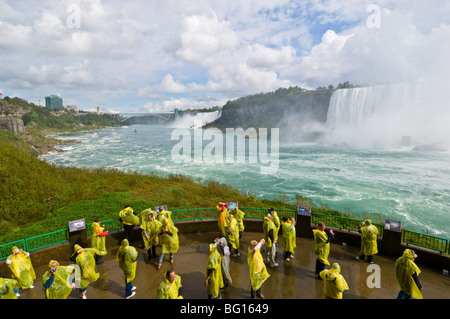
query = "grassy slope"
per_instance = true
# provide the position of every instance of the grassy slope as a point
(27, 182)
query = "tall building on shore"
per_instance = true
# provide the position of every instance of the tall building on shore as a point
(53, 101)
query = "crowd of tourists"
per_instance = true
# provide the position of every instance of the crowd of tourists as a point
(158, 230)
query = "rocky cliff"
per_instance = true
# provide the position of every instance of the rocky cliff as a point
(292, 110)
(12, 125)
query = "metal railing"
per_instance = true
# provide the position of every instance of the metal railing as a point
(427, 241)
(342, 223)
(431, 242)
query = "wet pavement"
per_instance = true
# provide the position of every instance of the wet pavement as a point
(290, 280)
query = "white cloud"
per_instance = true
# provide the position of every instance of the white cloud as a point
(204, 38)
(151, 51)
(264, 57)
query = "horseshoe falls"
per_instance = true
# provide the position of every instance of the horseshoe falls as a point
(384, 154)
(389, 116)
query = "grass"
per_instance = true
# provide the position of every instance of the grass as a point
(37, 197)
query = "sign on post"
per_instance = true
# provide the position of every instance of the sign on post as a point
(76, 225)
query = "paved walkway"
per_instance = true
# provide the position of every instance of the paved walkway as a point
(290, 280)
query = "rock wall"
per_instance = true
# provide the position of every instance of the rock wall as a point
(12, 125)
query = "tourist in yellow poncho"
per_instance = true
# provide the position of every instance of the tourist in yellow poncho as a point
(321, 247)
(98, 240)
(21, 267)
(269, 230)
(222, 218)
(150, 232)
(165, 215)
(85, 259)
(239, 215)
(276, 222)
(368, 241)
(58, 281)
(168, 239)
(232, 231)
(9, 288)
(289, 235)
(214, 279)
(334, 283)
(170, 287)
(258, 270)
(407, 275)
(129, 220)
(126, 257)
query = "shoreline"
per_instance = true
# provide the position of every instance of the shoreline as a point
(43, 142)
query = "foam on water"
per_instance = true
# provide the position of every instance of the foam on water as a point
(412, 187)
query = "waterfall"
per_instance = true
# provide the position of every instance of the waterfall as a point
(385, 115)
(196, 120)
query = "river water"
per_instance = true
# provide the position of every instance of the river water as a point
(400, 184)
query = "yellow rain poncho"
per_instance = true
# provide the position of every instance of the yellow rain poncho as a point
(126, 257)
(165, 215)
(404, 269)
(276, 222)
(258, 270)
(267, 226)
(62, 284)
(98, 241)
(169, 242)
(239, 215)
(321, 247)
(214, 271)
(21, 268)
(334, 283)
(6, 288)
(86, 261)
(168, 290)
(369, 238)
(152, 229)
(128, 217)
(222, 219)
(289, 236)
(232, 231)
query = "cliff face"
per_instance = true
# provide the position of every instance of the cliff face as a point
(290, 110)
(12, 125)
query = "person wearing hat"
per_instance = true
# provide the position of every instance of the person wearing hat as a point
(369, 235)
(276, 222)
(58, 281)
(126, 257)
(21, 267)
(222, 211)
(98, 240)
(406, 273)
(289, 236)
(150, 227)
(334, 283)
(322, 247)
(258, 271)
(214, 279)
(85, 259)
(269, 235)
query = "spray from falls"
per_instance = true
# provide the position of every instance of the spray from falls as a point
(387, 116)
(188, 120)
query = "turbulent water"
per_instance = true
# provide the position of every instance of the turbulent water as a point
(411, 187)
(367, 161)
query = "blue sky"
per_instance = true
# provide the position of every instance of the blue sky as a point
(153, 56)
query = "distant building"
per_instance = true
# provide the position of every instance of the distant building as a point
(71, 107)
(53, 101)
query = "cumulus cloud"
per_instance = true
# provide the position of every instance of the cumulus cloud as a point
(162, 54)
